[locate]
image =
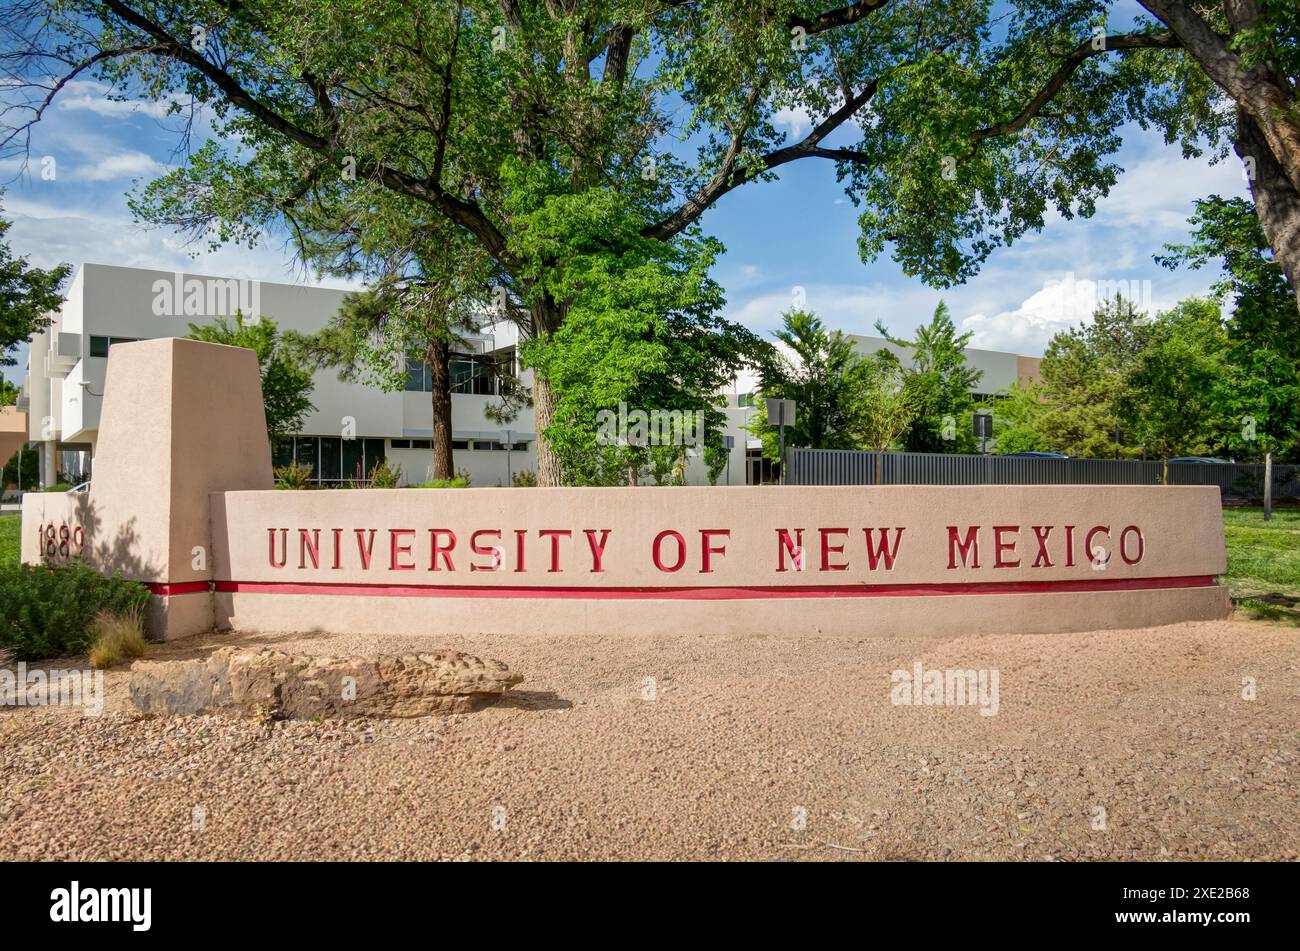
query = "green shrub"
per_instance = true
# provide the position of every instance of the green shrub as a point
(50, 611)
(384, 476)
(526, 479)
(57, 487)
(460, 482)
(293, 476)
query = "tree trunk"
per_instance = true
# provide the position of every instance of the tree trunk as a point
(548, 464)
(438, 356)
(546, 316)
(1270, 141)
(1277, 203)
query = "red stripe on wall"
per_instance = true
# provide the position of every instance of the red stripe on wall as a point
(169, 588)
(712, 593)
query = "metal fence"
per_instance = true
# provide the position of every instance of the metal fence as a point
(1242, 481)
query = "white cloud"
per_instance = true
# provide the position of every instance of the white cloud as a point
(86, 96)
(123, 165)
(1062, 303)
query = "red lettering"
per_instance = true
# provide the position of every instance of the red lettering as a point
(597, 548)
(394, 549)
(284, 547)
(367, 549)
(555, 534)
(520, 533)
(1123, 545)
(1087, 543)
(657, 551)
(1041, 534)
(828, 549)
(968, 546)
(874, 555)
(338, 547)
(1000, 547)
(1069, 546)
(439, 549)
(308, 546)
(492, 551)
(706, 539)
(792, 546)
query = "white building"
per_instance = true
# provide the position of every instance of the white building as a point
(64, 386)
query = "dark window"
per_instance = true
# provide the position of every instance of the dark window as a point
(282, 452)
(460, 444)
(353, 463)
(474, 374)
(418, 377)
(99, 346)
(306, 450)
(400, 443)
(374, 449)
(331, 458)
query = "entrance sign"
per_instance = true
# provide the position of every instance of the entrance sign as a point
(845, 560)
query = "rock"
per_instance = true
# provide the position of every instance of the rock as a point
(294, 687)
(6, 658)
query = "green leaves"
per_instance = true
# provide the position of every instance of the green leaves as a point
(641, 333)
(824, 375)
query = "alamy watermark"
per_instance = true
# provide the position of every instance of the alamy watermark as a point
(21, 687)
(180, 296)
(1079, 295)
(658, 427)
(945, 688)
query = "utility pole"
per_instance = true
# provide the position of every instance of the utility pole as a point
(781, 413)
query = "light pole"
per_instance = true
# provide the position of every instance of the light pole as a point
(781, 413)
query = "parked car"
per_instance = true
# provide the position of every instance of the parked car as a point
(1037, 455)
(1220, 462)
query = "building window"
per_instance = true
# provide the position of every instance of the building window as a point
(745, 399)
(474, 374)
(460, 444)
(99, 345)
(470, 373)
(333, 461)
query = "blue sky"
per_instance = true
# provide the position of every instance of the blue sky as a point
(797, 232)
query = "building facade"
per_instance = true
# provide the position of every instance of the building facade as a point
(353, 426)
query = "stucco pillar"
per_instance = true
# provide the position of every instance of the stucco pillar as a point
(181, 419)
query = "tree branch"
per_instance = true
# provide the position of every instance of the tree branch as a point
(1071, 63)
(465, 213)
(728, 177)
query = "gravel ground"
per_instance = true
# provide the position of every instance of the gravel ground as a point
(752, 748)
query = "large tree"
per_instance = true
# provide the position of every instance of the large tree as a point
(825, 376)
(458, 106)
(1085, 373)
(1259, 394)
(940, 381)
(1169, 400)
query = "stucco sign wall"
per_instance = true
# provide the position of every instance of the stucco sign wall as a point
(845, 560)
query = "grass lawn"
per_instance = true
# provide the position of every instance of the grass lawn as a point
(9, 525)
(1264, 562)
